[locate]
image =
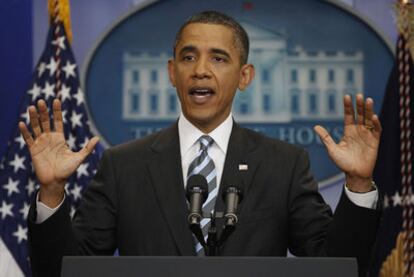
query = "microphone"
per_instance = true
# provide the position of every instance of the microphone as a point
(232, 196)
(196, 193)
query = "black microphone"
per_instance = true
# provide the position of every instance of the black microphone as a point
(232, 196)
(197, 193)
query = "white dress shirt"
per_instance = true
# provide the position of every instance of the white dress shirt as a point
(189, 146)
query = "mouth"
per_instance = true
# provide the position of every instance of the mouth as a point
(201, 95)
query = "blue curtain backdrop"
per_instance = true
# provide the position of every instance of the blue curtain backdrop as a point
(15, 62)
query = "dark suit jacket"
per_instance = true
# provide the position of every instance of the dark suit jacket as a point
(136, 203)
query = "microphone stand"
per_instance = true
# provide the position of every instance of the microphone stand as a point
(212, 237)
(196, 229)
(212, 247)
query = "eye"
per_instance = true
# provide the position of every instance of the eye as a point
(219, 59)
(188, 58)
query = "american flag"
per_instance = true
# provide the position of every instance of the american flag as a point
(56, 75)
(394, 254)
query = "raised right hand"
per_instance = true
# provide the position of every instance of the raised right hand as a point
(53, 160)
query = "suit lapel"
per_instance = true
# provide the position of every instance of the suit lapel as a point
(166, 175)
(240, 166)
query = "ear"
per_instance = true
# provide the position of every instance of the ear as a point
(171, 71)
(247, 73)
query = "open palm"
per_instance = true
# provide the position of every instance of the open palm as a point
(356, 153)
(52, 158)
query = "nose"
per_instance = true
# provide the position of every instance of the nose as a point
(201, 69)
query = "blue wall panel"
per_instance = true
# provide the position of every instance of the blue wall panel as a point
(15, 62)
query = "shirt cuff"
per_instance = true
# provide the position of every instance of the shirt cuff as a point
(43, 211)
(366, 200)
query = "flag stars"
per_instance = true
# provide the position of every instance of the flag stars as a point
(6, 210)
(399, 200)
(30, 187)
(20, 234)
(34, 92)
(64, 93)
(59, 42)
(82, 170)
(52, 66)
(19, 139)
(72, 211)
(48, 90)
(25, 210)
(396, 199)
(76, 119)
(79, 97)
(69, 69)
(76, 192)
(41, 69)
(17, 163)
(64, 116)
(11, 187)
(71, 142)
(25, 117)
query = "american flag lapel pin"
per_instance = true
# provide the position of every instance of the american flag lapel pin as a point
(243, 167)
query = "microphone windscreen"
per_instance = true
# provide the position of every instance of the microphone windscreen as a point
(232, 186)
(197, 181)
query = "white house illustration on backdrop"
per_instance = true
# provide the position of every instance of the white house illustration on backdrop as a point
(290, 84)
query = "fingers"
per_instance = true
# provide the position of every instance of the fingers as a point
(44, 116)
(360, 107)
(85, 151)
(349, 114)
(369, 119)
(26, 134)
(365, 113)
(369, 112)
(325, 137)
(40, 121)
(377, 125)
(34, 121)
(57, 116)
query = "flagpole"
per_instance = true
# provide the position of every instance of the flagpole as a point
(56, 20)
(404, 58)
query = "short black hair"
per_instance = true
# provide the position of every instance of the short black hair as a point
(215, 17)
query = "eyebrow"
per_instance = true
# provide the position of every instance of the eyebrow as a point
(191, 48)
(221, 52)
(188, 48)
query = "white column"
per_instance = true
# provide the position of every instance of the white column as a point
(144, 98)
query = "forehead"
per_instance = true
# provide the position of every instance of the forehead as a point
(203, 35)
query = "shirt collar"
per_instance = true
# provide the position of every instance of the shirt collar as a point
(189, 134)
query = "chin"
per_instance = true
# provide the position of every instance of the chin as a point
(200, 119)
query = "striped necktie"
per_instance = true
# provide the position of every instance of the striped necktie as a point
(204, 165)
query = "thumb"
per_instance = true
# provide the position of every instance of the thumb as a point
(88, 148)
(325, 137)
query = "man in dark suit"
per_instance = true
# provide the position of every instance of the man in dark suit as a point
(136, 202)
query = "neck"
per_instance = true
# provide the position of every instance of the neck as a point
(206, 129)
(206, 126)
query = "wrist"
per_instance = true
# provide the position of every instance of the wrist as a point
(359, 184)
(51, 196)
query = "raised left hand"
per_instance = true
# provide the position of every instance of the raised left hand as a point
(356, 153)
